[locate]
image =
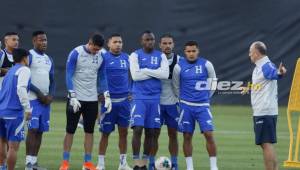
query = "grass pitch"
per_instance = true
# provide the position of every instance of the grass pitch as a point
(234, 136)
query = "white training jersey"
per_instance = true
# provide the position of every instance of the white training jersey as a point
(40, 66)
(264, 88)
(167, 96)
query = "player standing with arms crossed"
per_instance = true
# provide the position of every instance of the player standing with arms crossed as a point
(14, 102)
(147, 66)
(117, 70)
(11, 41)
(168, 104)
(264, 101)
(188, 77)
(41, 95)
(85, 78)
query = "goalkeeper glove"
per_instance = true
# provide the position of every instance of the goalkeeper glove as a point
(74, 102)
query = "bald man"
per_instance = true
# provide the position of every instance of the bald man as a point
(264, 101)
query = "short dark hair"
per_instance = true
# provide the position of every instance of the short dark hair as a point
(97, 40)
(147, 32)
(9, 34)
(191, 43)
(114, 35)
(167, 35)
(38, 32)
(260, 47)
(19, 54)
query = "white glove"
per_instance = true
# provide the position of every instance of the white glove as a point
(74, 102)
(107, 102)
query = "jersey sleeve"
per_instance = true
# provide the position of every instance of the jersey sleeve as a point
(51, 78)
(270, 71)
(176, 79)
(1, 57)
(212, 78)
(162, 72)
(30, 59)
(136, 73)
(23, 79)
(102, 78)
(70, 69)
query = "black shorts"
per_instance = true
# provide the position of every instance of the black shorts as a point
(89, 112)
(265, 129)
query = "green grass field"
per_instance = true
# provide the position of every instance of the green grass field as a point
(234, 137)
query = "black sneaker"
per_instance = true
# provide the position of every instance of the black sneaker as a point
(136, 168)
(37, 167)
(143, 168)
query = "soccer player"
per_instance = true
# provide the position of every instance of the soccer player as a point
(85, 78)
(11, 41)
(191, 79)
(264, 101)
(147, 66)
(168, 104)
(117, 70)
(14, 102)
(41, 95)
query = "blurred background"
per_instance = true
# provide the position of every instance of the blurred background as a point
(224, 30)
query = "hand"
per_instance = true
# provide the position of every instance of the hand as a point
(49, 99)
(75, 104)
(4, 71)
(107, 101)
(130, 97)
(245, 90)
(281, 69)
(28, 115)
(101, 98)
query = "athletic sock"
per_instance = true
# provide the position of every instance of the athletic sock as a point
(87, 157)
(151, 162)
(33, 160)
(101, 160)
(66, 156)
(123, 160)
(28, 159)
(189, 163)
(213, 163)
(3, 167)
(174, 160)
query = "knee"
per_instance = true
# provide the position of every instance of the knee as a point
(137, 131)
(172, 134)
(187, 137)
(105, 135)
(209, 137)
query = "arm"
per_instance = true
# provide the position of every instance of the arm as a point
(51, 78)
(211, 75)
(136, 73)
(23, 79)
(70, 69)
(102, 79)
(3, 71)
(162, 72)
(176, 80)
(270, 71)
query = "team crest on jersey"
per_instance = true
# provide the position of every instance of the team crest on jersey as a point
(95, 59)
(123, 63)
(198, 69)
(154, 60)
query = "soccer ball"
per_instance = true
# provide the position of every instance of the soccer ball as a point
(163, 163)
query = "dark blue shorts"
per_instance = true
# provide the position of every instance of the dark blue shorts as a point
(189, 115)
(169, 115)
(12, 129)
(265, 129)
(145, 113)
(40, 118)
(119, 115)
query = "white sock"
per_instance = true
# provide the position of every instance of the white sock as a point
(101, 160)
(213, 163)
(28, 159)
(33, 159)
(123, 160)
(189, 163)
